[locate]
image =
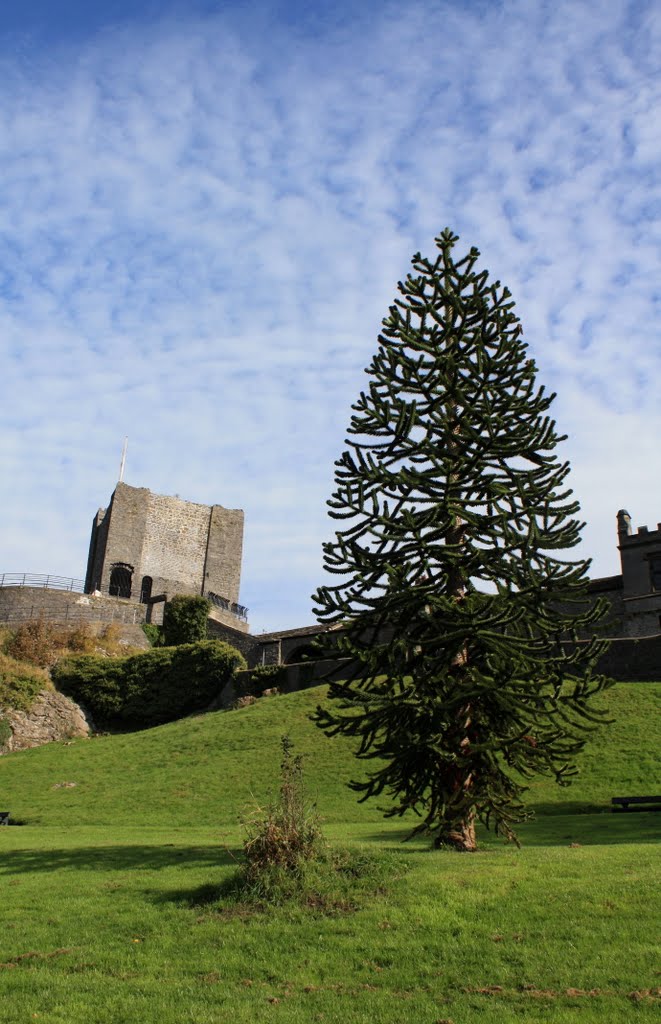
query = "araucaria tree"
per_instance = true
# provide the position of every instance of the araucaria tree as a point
(456, 600)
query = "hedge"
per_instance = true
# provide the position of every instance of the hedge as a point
(152, 687)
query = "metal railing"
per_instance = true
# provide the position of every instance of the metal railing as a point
(238, 610)
(48, 582)
(30, 579)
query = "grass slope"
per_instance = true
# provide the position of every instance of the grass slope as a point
(106, 912)
(204, 770)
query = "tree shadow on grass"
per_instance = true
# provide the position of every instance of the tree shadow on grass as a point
(558, 827)
(553, 825)
(115, 858)
(202, 897)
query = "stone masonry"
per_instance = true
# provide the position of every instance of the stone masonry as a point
(640, 555)
(146, 545)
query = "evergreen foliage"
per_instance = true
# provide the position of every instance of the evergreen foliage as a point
(185, 620)
(154, 633)
(155, 686)
(455, 590)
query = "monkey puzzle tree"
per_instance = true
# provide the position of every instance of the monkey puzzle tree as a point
(455, 597)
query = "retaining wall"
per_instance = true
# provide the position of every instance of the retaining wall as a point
(19, 604)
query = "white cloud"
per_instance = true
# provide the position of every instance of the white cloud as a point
(201, 227)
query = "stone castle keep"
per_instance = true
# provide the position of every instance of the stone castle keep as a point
(146, 547)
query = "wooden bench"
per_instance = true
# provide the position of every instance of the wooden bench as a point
(636, 803)
(4, 817)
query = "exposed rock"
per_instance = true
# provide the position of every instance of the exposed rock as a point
(52, 717)
(244, 702)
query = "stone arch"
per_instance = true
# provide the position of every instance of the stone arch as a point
(305, 652)
(121, 579)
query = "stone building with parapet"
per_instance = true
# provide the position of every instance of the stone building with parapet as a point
(640, 556)
(146, 547)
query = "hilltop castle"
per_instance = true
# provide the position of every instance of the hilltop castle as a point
(145, 548)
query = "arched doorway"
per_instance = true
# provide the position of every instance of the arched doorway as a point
(145, 589)
(121, 576)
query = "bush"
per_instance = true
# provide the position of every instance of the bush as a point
(185, 620)
(286, 858)
(42, 643)
(34, 642)
(20, 683)
(282, 837)
(153, 633)
(260, 678)
(152, 687)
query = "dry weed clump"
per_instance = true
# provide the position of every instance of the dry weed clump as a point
(35, 642)
(43, 643)
(20, 683)
(286, 834)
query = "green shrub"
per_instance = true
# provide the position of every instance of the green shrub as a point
(20, 683)
(152, 687)
(185, 620)
(260, 678)
(94, 680)
(153, 633)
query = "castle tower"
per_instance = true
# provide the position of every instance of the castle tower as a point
(145, 545)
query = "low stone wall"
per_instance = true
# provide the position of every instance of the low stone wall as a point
(633, 659)
(243, 642)
(627, 660)
(20, 604)
(290, 679)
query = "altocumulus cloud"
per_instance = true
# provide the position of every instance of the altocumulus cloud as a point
(201, 226)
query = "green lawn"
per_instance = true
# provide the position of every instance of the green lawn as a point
(106, 889)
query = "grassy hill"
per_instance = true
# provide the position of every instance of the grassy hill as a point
(106, 888)
(204, 770)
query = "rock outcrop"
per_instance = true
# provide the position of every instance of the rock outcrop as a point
(51, 717)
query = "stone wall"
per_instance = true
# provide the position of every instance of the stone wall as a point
(218, 629)
(97, 548)
(631, 659)
(183, 547)
(224, 552)
(175, 540)
(124, 525)
(18, 604)
(640, 554)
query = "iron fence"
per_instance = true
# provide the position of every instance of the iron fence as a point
(30, 579)
(238, 610)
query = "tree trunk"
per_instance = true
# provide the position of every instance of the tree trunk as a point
(460, 837)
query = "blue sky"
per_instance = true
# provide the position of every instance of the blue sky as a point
(204, 212)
